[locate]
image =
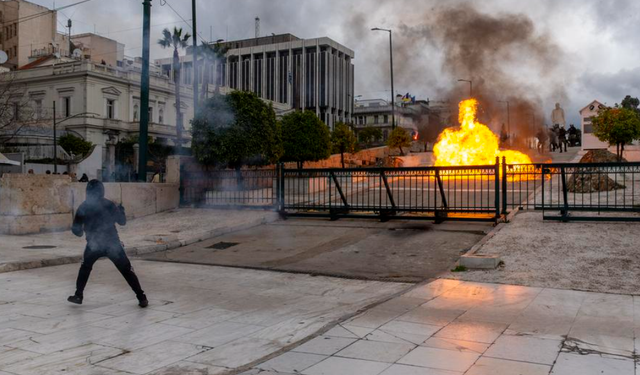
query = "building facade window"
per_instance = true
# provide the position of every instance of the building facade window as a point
(385, 135)
(136, 112)
(161, 116)
(66, 106)
(38, 111)
(376, 118)
(386, 119)
(111, 109)
(150, 114)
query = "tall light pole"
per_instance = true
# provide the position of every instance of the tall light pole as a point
(393, 92)
(470, 82)
(144, 92)
(508, 118)
(195, 58)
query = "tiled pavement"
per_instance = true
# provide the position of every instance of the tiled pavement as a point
(452, 328)
(202, 320)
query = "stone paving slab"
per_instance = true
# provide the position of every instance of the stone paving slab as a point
(201, 319)
(167, 230)
(391, 339)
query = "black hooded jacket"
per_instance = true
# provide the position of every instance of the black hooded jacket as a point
(97, 217)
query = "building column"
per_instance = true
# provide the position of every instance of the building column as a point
(303, 90)
(276, 78)
(251, 72)
(290, 84)
(316, 74)
(263, 93)
(112, 158)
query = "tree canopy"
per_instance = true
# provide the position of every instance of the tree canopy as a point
(304, 138)
(75, 145)
(399, 138)
(235, 130)
(618, 126)
(369, 135)
(343, 140)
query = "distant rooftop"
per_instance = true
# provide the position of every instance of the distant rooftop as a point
(262, 41)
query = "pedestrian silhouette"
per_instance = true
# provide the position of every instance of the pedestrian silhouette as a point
(97, 218)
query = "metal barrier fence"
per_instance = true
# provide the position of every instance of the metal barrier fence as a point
(438, 193)
(229, 188)
(591, 192)
(444, 193)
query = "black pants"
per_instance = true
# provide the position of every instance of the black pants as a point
(119, 258)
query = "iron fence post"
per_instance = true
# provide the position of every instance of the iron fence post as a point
(565, 211)
(505, 208)
(497, 186)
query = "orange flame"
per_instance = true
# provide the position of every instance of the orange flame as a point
(473, 143)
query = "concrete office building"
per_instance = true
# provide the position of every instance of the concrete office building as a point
(292, 73)
(29, 31)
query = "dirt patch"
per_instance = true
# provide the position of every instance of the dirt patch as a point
(600, 156)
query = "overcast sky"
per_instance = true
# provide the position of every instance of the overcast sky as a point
(595, 41)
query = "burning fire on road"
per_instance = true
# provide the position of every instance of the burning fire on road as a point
(472, 143)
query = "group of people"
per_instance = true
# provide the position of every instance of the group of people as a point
(556, 138)
(73, 176)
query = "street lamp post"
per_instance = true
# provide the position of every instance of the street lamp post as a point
(55, 132)
(144, 92)
(470, 82)
(393, 99)
(55, 140)
(195, 59)
(508, 119)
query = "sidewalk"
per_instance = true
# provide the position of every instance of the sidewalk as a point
(201, 319)
(450, 327)
(153, 233)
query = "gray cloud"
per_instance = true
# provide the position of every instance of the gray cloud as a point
(592, 39)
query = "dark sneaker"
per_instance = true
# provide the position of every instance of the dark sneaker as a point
(142, 301)
(75, 299)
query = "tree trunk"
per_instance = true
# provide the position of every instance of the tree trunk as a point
(342, 158)
(176, 79)
(401, 151)
(300, 164)
(621, 152)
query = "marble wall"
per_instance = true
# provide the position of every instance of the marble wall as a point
(42, 203)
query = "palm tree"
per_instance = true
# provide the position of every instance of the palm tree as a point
(211, 54)
(177, 41)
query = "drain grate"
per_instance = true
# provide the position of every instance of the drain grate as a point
(223, 245)
(39, 247)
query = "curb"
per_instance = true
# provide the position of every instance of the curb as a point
(134, 251)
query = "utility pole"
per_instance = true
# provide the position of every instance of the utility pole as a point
(144, 92)
(393, 92)
(195, 61)
(69, 24)
(55, 140)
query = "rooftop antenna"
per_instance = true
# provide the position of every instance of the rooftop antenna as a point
(257, 27)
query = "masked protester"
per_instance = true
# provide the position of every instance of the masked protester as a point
(96, 218)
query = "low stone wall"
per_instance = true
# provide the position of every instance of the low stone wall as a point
(43, 203)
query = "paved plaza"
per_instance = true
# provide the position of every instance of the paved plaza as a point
(450, 327)
(200, 318)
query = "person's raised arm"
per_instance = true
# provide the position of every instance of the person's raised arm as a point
(78, 223)
(121, 216)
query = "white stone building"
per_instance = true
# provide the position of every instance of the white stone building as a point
(291, 73)
(98, 103)
(589, 141)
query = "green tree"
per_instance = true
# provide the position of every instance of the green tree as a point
(617, 126)
(177, 41)
(235, 130)
(304, 138)
(631, 103)
(75, 145)
(399, 138)
(343, 140)
(369, 135)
